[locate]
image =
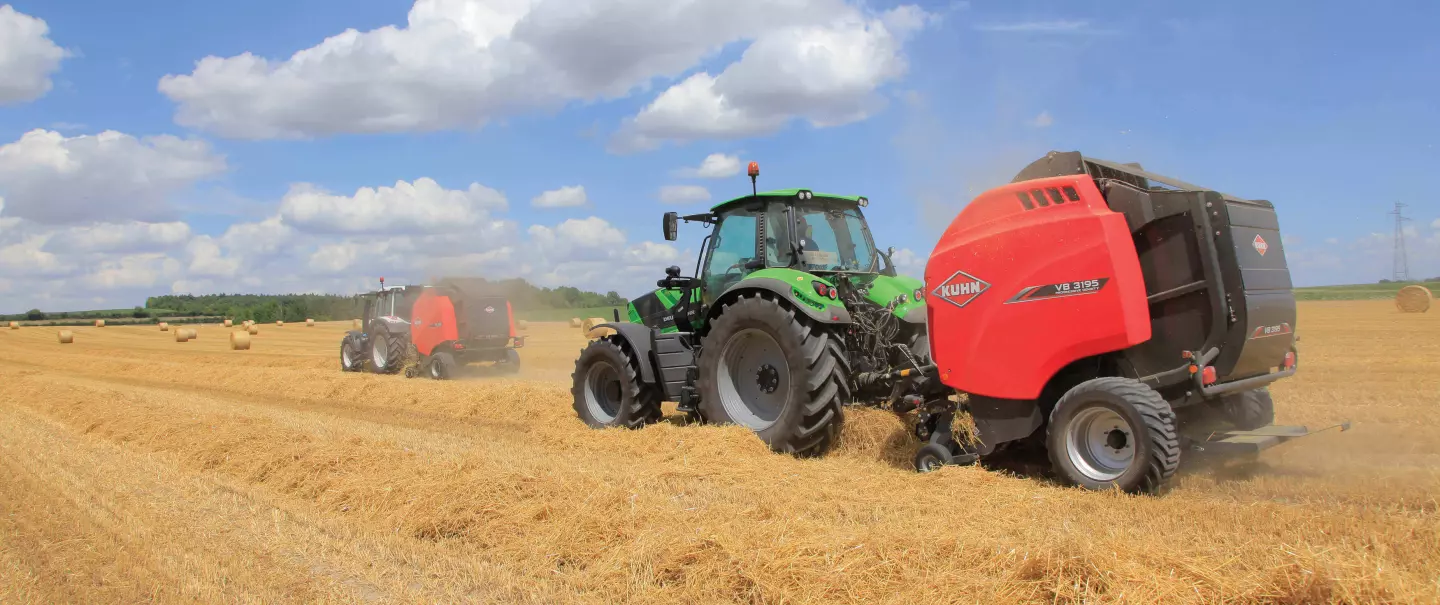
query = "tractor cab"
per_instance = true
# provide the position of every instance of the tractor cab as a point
(389, 306)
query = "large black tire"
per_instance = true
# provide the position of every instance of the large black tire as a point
(442, 366)
(1250, 410)
(607, 389)
(351, 359)
(1111, 433)
(799, 376)
(387, 353)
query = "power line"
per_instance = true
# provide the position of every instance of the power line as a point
(1401, 270)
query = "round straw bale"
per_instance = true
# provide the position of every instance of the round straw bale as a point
(309, 323)
(521, 324)
(601, 332)
(229, 323)
(66, 337)
(254, 329)
(164, 327)
(240, 341)
(575, 322)
(280, 323)
(182, 335)
(192, 334)
(591, 323)
(14, 325)
(1413, 299)
(99, 323)
(355, 324)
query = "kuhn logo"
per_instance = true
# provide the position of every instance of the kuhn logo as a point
(489, 309)
(960, 289)
(1260, 245)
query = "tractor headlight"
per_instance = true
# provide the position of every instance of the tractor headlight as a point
(919, 294)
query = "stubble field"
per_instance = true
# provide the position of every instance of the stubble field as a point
(137, 469)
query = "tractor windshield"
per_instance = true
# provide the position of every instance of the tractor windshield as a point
(832, 239)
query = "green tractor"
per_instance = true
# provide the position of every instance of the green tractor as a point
(793, 314)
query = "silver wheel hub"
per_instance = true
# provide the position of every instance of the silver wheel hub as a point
(1100, 443)
(345, 357)
(602, 392)
(377, 355)
(753, 378)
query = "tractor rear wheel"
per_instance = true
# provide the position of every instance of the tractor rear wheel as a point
(774, 372)
(442, 366)
(1250, 410)
(387, 353)
(607, 387)
(1113, 433)
(350, 359)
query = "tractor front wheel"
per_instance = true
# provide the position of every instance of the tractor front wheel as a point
(350, 359)
(1111, 433)
(607, 387)
(774, 372)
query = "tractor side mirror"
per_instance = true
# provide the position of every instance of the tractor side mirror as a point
(890, 252)
(672, 226)
(672, 271)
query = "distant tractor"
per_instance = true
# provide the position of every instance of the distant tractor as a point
(1105, 315)
(794, 315)
(431, 331)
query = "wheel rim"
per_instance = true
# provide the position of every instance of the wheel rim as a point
(602, 391)
(345, 357)
(930, 462)
(435, 369)
(754, 379)
(377, 354)
(1100, 443)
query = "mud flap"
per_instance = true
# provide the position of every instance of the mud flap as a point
(1225, 444)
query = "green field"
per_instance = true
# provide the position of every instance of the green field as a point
(1359, 291)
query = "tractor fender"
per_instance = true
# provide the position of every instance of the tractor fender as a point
(825, 314)
(640, 338)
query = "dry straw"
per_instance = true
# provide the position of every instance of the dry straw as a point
(254, 329)
(239, 341)
(192, 334)
(66, 337)
(575, 322)
(14, 325)
(99, 323)
(164, 327)
(309, 323)
(355, 324)
(590, 324)
(522, 325)
(182, 335)
(228, 323)
(280, 323)
(1413, 299)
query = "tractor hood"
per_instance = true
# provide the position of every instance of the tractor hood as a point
(884, 289)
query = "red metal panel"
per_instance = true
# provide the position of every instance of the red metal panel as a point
(432, 321)
(1019, 287)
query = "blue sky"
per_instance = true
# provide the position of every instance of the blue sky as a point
(1326, 110)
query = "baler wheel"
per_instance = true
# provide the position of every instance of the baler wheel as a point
(1250, 410)
(511, 364)
(441, 366)
(607, 387)
(1114, 432)
(773, 371)
(932, 457)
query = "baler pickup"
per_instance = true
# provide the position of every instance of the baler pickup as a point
(1250, 443)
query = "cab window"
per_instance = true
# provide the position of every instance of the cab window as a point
(732, 246)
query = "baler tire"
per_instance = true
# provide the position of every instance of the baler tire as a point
(609, 361)
(441, 366)
(350, 357)
(1250, 410)
(810, 417)
(933, 456)
(511, 365)
(1156, 445)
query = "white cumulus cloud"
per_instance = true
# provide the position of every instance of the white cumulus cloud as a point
(684, 194)
(27, 57)
(133, 236)
(564, 197)
(420, 207)
(714, 166)
(50, 178)
(462, 63)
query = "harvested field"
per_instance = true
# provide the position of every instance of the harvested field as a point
(135, 470)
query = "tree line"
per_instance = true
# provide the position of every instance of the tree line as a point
(265, 308)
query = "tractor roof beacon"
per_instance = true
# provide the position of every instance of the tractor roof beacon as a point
(792, 314)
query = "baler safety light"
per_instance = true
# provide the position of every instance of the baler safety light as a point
(458, 347)
(519, 341)
(1208, 376)
(1290, 360)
